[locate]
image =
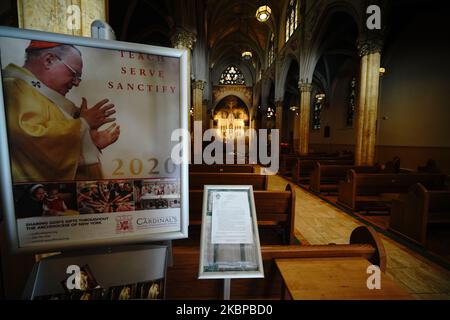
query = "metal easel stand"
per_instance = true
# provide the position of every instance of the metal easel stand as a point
(226, 289)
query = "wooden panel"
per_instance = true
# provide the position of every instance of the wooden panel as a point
(197, 180)
(230, 168)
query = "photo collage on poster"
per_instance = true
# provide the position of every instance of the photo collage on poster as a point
(90, 289)
(94, 197)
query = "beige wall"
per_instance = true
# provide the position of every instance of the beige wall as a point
(414, 107)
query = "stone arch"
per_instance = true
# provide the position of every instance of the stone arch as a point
(241, 92)
(279, 90)
(318, 34)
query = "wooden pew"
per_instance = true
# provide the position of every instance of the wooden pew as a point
(230, 168)
(375, 192)
(197, 180)
(289, 165)
(326, 177)
(182, 278)
(275, 210)
(303, 167)
(414, 211)
(287, 162)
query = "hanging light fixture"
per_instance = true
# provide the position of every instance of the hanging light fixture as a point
(246, 55)
(263, 13)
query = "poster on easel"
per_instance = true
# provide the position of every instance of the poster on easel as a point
(86, 140)
(229, 246)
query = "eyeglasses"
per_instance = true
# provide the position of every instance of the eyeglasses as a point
(76, 75)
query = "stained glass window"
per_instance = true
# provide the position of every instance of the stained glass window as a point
(291, 18)
(318, 103)
(232, 75)
(351, 103)
(271, 50)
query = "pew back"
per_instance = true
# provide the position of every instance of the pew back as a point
(395, 183)
(274, 209)
(303, 167)
(197, 180)
(325, 177)
(230, 168)
(362, 190)
(414, 211)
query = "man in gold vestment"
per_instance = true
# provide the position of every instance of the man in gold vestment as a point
(51, 138)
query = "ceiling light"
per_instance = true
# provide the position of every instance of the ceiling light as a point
(263, 13)
(247, 55)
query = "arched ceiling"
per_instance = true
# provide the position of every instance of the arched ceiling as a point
(337, 48)
(230, 25)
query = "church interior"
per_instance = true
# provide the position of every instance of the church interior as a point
(356, 91)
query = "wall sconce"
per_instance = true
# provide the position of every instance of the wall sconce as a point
(382, 71)
(263, 13)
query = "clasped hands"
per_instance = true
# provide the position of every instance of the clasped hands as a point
(97, 116)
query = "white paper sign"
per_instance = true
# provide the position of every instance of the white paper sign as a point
(231, 220)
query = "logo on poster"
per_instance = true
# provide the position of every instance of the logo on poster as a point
(124, 224)
(147, 222)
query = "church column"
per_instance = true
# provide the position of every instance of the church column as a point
(197, 100)
(304, 119)
(279, 115)
(185, 40)
(205, 115)
(296, 142)
(366, 113)
(72, 17)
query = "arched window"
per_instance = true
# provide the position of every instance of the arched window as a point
(291, 18)
(232, 75)
(318, 103)
(271, 56)
(351, 103)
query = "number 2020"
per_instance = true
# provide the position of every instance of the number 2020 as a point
(136, 167)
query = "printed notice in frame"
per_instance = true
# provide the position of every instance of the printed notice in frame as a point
(231, 219)
(229, 246)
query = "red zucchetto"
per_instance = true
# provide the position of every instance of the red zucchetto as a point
(37, 45)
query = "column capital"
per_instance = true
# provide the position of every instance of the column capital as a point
(198, 84)
(368, 46)
(183, 39)
(305, 87)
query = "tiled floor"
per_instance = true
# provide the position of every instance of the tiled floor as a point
(321, 223)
